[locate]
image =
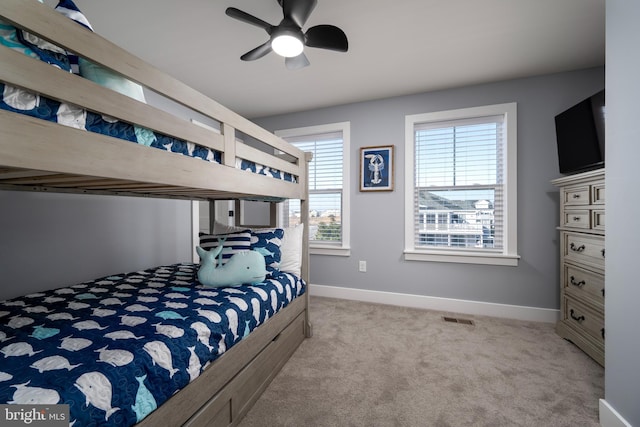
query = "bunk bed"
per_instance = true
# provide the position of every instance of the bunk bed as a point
(174, 158)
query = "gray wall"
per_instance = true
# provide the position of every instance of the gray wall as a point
(622, 346)
(51, 240)
(535, 281)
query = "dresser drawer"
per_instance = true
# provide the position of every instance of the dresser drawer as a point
(597, 219)
(584, 319)
(584, 249)
(583, 219)
(597, 193)
(577, 218)
(584, 284)
(576, 195)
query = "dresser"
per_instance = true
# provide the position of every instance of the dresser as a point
(582, 255)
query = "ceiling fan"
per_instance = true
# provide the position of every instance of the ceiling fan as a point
(287, 38)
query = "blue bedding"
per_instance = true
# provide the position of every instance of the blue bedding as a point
(116, 348)
(27, 103)
(20, 101)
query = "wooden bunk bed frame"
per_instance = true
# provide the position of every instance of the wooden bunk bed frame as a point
(37, 155)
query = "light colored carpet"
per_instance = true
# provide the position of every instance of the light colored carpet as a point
(377, 365)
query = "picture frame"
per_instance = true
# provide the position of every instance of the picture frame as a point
(377, 168)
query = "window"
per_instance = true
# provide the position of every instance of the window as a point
(328, 186)
(460, 175)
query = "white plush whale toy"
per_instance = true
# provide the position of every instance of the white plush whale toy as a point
(242, 268)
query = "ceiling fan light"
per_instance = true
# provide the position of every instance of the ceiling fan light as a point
(287, 45)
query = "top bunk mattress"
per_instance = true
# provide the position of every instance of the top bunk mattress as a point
(116, 348)
(31, 104)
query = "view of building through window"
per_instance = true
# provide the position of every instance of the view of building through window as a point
(460, 219)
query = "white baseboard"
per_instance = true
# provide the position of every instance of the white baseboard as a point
(441, 304)
(609, 417)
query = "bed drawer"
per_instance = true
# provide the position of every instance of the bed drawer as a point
(584, 284)
(584, 249)
(259, 374)
(587, 321)
(234, 401)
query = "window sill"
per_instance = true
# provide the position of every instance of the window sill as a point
(462, 257)
(330, 250)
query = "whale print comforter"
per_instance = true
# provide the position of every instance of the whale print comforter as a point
(24, 102)
(116, 348)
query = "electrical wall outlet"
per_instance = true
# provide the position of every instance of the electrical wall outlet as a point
(362, 266)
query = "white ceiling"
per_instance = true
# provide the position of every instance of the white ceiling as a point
(395, 47)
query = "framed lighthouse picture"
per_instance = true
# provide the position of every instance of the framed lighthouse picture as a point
(376, 168)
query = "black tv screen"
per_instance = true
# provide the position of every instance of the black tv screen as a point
(580, 135)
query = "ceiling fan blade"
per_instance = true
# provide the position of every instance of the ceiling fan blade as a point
(296, 62)
(298, 10)
(258, 52)
(327, 37)
(249, 19)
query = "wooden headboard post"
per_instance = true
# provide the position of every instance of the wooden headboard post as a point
(304, 219)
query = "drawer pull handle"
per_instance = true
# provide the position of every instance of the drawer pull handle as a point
(577, 248)
(576, 196)
(578, 319)
(602, 253)
(578, 284)
(602, 332)
(576, 218)
(603, 292)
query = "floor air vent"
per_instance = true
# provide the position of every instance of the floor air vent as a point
(457, 320)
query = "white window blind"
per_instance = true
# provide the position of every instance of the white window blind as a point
(462, 167)
(458, 183)
(325, 186)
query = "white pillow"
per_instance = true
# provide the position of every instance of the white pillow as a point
(291, 248)
(220, 228)
(110, 79)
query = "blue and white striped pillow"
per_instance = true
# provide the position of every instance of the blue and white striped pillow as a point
(71, 11)
(232, 244)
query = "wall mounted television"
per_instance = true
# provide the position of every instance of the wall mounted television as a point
(580, 135)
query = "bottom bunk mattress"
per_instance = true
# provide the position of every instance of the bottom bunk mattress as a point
(116, 348)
